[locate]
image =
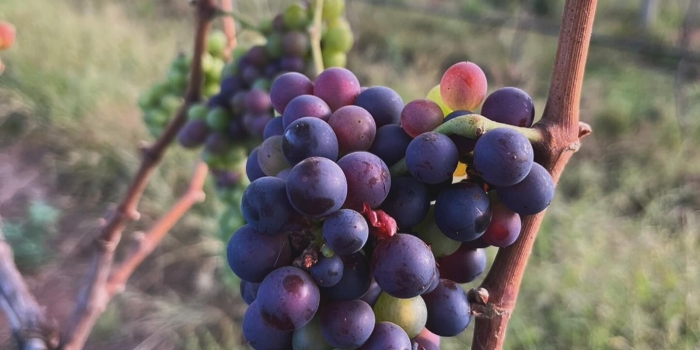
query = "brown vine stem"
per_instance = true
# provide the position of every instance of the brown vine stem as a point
(92, 298)
(194, 194)
(30, 326)
(562, 132)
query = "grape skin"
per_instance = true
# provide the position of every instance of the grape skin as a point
(408, 202)
(345, 231)
(503, 157)
(504, 228)
(260, 335)
(464, 265)
(270, 157)
(463, 86)
(252, 255)
(530, 196)
(383, 103)
(448, 309)
(305, 106)
(265, 206)
(419, 116)
(403, 265)
(288, 86)
(390, 144)
(288, 298)
(309, 137)
(462, 211)
(387, 336)
(252, 168)
(328, 271)
(354, 127)
(431, 158)
(355, 281)
(347, 324)
(509, 105)
(368, 180)
(316, 187)
(337, 86)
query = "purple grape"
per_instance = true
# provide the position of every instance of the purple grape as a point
(260, 335)
(390, 143)
(370, 297)
(464, 265)
(295, 43)
(504, 228)
(408, 201)
(257, 101)
(345, 231)
(250, 74)
(530, 196)
(383, 103)
(288, 298)
(347, 324)
(292, 64)
(265, 206)
(193, 134)
(355, 281)
(237, 102)
(229, 86)
(448, 309)
(218, 100)
(252, 255)
(354, 127)
(288, 86)
(368, 180)
(257, 56)
(273, 128)
(403, 265)
(431, 158)
(309, 137)
(503, 157)
(337, 86)
(270, 157)
(462, 212)
(252, 169)
(316, 187)
(249, 291)
(419, 116)
(217, 143)
(236, 130)
(305, 106)
(284, 174)
(387, 336)
(434, 281)
(254, 124)
(464, 144)
(509, 105)
(328, 271)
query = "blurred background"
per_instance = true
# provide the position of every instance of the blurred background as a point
(617, 261)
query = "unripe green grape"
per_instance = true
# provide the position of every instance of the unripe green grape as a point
(440, 244)
(214, 161)
(156, 118)
(216, 43)
(333, 9)
(170, 104)
(238, 52)
(434, 95)
(148, 99)
(211, 89)
(218, 119)
(197, 111)
(177, 79)
(295, 16)
(207, 61)
(339, 38)
(274, 45)
(334, 59)
(337, 23)
(213, 72)
(158, 90)
(265, 26)
(229, 69)
(181, 63)
(409, 314)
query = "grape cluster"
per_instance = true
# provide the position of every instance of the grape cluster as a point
(338, 253)
(163, 99)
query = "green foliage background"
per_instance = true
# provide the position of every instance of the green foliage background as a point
(616, 264)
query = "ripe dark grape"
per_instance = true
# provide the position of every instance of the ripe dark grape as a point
(309, 137)
(252, 255)
(252, 168)
(387, 336)
(295, 43)
(217, 143)
(254, 124)
(503, 157)
(265, 206)
(372, 294)
(305, 106)
(292, 64)
(270, 157)
(464, 144)
(193, 134)
(288, 298)
(403, 265)
(354, 127)
(504, 228)
(257, 101)
(530, 196)
(337, 86)
(260, 335)
(431, 158)
(433, 281)
(419, 116)
(346, 324)
(464, 265)
(430, 233)
(368, 180)
(462, 212)
(316, 186)
(408, 201)
(249, 291)
(390, 143)
(355, 281)
(509, 105)
(345, 231)
(383, 103)
(448, 309)
(288, 86)
(273, 128)
(328, 271)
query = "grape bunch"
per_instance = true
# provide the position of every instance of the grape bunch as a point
(159, 103)
(338, 253)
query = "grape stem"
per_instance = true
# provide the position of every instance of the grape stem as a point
(561, 136)
(472, 126)
(315, 35)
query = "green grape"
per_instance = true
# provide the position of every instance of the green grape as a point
(207, 61)
(148, 99)
(218, 119)
(337, 23)
(229, 69)
(170, 104)
(333, 9)
(197, 111)
(409, 314)
(295, 16)
(338, 38)
(434, 95)
(334, 59)
(159, 90)
(216, 43)
(238, 52)
(177, 79)
(211, 89)
(214, 161)
(274, 45)
(213, 72)
(440, 244)
(156, 118)
(181, 63)
(265, 26)
(262, 84)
